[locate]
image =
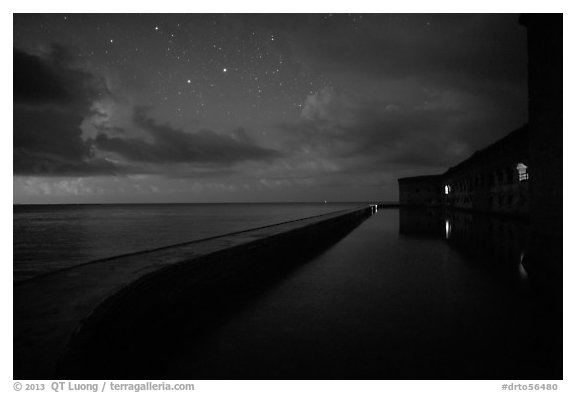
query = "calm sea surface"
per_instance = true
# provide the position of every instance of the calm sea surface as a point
(52, 237)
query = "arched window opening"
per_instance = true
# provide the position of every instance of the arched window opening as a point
(522, 172)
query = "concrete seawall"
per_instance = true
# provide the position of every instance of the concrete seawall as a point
(64, 321)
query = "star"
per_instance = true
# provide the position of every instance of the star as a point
(224, 70)
(156, 28)
(188, 81)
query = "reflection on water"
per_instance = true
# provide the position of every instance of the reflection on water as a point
(506, 253)
(498, 243)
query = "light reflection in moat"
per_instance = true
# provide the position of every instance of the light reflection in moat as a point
(498, 244)
(448, 229)
(521, 269)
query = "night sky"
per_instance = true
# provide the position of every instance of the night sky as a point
(250, 108)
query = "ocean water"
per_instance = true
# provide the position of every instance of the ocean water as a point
(53, 237)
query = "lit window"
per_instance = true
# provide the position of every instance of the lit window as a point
(522, 172)
(446, 189)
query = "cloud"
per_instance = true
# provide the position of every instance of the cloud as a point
(49, 142)
(377, 136)
(51, 99)
(53, 80)
(168, 145)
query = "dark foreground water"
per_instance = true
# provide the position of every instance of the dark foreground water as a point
(52, 237)
(409, 294)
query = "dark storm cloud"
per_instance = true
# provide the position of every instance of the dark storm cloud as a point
(53, 80)
(48, 142)
(52, 97)
(173, 146)
(395, 138)
(479, 60)
(375, 136)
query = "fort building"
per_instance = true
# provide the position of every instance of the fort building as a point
(522, 173)
(494, 179)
